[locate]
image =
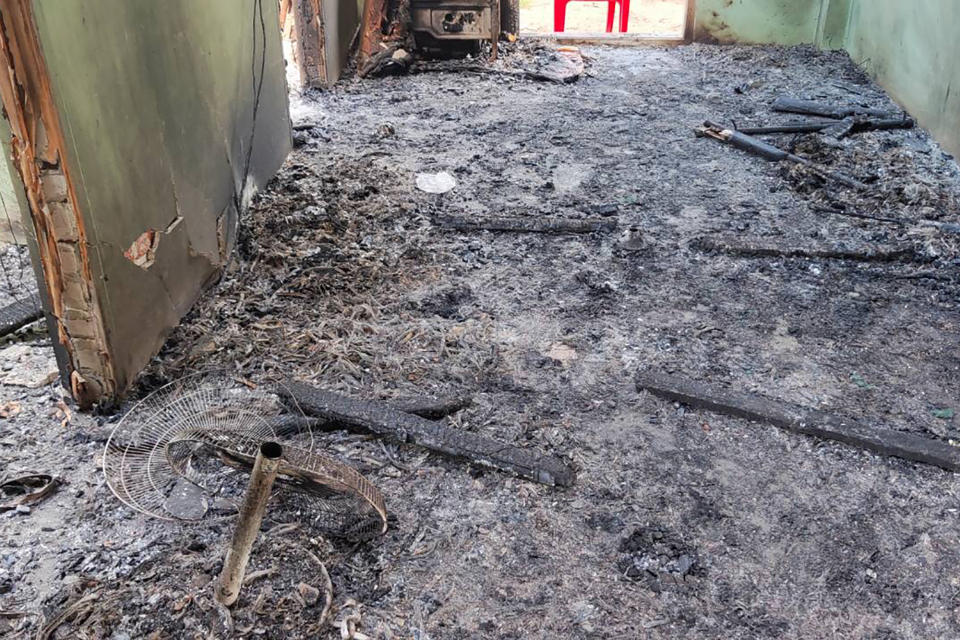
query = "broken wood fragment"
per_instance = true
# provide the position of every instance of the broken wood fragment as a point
(366, 416)
(25, 490)
(759, 248)
(19, 314)
(527, 225)
(857, 125)
(425, 407)
(769, 152)
(798, 419)
(814, 108)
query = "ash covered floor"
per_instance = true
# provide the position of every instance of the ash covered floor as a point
(682, 523)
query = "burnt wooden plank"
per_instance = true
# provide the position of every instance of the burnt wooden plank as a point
(369, 416)
(18, 314)
(527, 225)
(798, 419)
(425, 407)
(761, 248)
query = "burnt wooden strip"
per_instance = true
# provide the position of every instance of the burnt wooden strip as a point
(526, 225)
(813, 108)
(368, 416)
(759, 248)
(19, 314)
(425, 407)
(798, 419)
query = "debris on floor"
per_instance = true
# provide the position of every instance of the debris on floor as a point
(206, 426)
(25, 365)
(799, 419)
(473, 356)
(436, 182)
(24, 490)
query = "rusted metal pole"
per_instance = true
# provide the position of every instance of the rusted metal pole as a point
(248, 525)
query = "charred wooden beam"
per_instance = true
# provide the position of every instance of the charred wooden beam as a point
(527, 225)
(856, 125)
(371, 28)
(758, 248)
(802, 420)
(774, 154)
(425, 407)
(309, 48)
(837, 112)
(19, 314)
(366, 416)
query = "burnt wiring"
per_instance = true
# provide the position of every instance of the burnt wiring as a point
(258, 84)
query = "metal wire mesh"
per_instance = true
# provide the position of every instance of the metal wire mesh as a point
(175, 456)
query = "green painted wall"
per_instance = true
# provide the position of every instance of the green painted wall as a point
(913, 49)
(11, 228)
(758, 21)
(156, 99)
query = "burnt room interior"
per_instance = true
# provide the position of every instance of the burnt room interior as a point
(450, 319)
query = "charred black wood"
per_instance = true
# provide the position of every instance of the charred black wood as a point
(837, 112)
(857, 125)
(19, 314)
(945, 227)
(527, 225)
(856, 214)
(393, 60)
(366, 416)
(425, 407)
(759, 248)
(770, 152)
(798, 419)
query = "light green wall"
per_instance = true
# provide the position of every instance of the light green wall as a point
(156, 100)
(912, 47)
(758, 21)
(11, 229)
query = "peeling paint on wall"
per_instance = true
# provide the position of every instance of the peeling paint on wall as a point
(137, 171)
(37, 143)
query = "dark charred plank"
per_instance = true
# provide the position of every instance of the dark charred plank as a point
(526, 225)
(368, 416)
(758, 248)
(19, 314)
(425, 407)
(798, 419)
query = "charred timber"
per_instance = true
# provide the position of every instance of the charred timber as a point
(837, 112)
(425, 407)
(367, 416)
(857, 125)
(527, 225)
(798, 419)
(759, 249)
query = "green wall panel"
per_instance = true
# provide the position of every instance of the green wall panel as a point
(156, 99)
(913, 50)
(758, 21)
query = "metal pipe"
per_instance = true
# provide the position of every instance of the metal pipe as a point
(248, 524)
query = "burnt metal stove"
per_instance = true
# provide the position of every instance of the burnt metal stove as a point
(456, 19)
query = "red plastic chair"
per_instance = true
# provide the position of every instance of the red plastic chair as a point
(560, 14)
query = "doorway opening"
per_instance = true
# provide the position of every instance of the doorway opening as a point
(645, 19)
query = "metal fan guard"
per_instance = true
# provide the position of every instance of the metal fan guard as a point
(154, 458)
